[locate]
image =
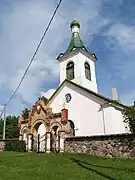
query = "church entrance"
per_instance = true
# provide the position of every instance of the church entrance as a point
(43, 130)
(52, 140)
(39, 138)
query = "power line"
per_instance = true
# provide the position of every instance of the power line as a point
(54, 13)
(2, 112)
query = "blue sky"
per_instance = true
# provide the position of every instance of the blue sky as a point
(107, 29)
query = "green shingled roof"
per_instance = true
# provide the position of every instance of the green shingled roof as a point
(76, 41)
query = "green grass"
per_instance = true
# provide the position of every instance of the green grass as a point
(32, 166)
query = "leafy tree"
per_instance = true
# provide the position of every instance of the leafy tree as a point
(129, 116)
(25, 113)
(12, 130)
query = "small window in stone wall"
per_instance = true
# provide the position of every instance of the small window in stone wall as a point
(87, 71)
(70, 71)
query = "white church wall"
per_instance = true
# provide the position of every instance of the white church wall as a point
(114, 121)
(86, 113)
(79, 59)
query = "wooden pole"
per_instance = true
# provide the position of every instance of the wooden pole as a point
(4, 125)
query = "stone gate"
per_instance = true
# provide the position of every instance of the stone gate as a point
(43, 130)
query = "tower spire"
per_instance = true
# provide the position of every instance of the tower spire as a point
(76, 41)
(77, 64)
(75, 27)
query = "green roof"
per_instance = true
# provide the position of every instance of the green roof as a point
(75, 23)
(76, 41)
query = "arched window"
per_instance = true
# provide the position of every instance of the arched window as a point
(87, 71)
(70, 71)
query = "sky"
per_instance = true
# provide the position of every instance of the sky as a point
(107, 29)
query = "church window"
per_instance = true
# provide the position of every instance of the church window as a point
(87, 71)
(68, 97)
(70, 71)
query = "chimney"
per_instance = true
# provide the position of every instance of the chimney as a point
(114, 94)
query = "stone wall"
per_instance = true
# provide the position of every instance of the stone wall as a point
(2, 144)
(120, 145)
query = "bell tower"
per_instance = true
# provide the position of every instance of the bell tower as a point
(77, 64)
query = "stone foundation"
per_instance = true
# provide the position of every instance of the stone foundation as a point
(122, 145)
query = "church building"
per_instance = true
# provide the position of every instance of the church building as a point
(91, 113)
(88, 112)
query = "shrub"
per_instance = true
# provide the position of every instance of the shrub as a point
(129, 117)
(15, 145)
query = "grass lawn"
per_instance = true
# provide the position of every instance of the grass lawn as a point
(32, 166)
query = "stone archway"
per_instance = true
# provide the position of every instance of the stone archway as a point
(43, 122)
(39, 136)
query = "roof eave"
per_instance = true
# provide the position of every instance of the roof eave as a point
(61, 56)
(100, 96)
(112, 102)
(55, 92)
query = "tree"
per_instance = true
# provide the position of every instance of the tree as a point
(12, 130)
(129, 116)
(25, 113)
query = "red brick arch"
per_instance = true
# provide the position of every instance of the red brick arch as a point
(37, 122)
(55, 124)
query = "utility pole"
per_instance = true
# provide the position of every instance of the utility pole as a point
(4, 125)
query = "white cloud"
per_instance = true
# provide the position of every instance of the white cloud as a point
(121, 39)
(123, 36)
(21, 29)
(48, 93)
(128, 98)
(1, 108)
